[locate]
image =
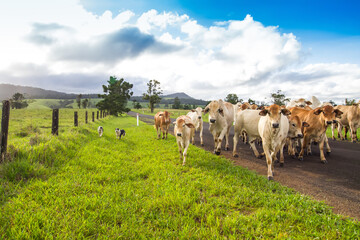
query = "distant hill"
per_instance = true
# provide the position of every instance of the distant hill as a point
(8, 90)
(180, 95)
(169, 99)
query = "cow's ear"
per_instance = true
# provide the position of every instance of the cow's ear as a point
(221, 111)
(305, 124)
(160, 115)
(190, 125)
(285, 111)
(261, 108)
(206, 110)
(193, 110)
(338, 113)
(318, 111)
(308, 102)
(263, 112)
(174, 123)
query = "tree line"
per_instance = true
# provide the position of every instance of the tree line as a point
(118, 92)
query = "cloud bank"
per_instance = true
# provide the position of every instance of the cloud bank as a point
(78, 53)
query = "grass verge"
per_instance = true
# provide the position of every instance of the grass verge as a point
(82, 186)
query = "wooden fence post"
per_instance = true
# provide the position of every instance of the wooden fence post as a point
(93, 116)
(76, 119)
(55, 122)
(86, 117)
(97, 115)
(4, 127)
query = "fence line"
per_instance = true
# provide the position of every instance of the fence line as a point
(54, 126)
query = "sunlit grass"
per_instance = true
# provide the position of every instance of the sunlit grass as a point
(78, 185)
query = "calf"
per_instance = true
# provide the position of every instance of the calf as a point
(221, 117)
(119, 133)
(184, 130)
(296, 127)
(273, 128)
(318, 119)
(196, 117)
(350, 118)
(162, 123)
(100, 131)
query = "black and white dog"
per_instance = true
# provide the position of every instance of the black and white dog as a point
(100, 131)
(119, 133)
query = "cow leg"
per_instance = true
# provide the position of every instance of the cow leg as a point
(163, 132)
(340, 135)
(339, 129)
(235, 139)
(268, 161)
(291, 150)
(158, 131)
(220, 138)
(308, 149)
(253, 147)
(201, 136)
(179, 148)
(215, 142)
(321, 149)
(167, 130)
(328, 149)
(333, 125)
(282, 153)
(185, 152)
(227, 138)
(353, 129)
(304, 144)
(346, 129)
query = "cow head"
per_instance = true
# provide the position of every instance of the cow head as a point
(166, 116)
(296, 127)
(301, 102)
(274, 113)
(329, 114)
(180, 125)
(198, 112)
(215, 110)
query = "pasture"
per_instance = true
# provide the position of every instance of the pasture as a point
(77, 185)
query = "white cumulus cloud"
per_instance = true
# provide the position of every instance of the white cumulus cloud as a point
(57, 42)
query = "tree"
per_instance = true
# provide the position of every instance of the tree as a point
(279, 98)
(153, 93)
(250, 101)
(136, 104)
(177, 103)
(349, 102)
(78, 100)
(117, 93)
(333, 103)
(85, 103)
(18, 101)
(232, 98)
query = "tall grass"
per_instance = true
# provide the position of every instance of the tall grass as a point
(78, 185)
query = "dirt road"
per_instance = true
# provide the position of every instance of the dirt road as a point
(337, 183)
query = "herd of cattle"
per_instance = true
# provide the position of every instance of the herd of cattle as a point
(300, 122)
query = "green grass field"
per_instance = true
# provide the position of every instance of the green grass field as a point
(78, 185)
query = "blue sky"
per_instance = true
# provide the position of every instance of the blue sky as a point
(320, 25)
(207, 49)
